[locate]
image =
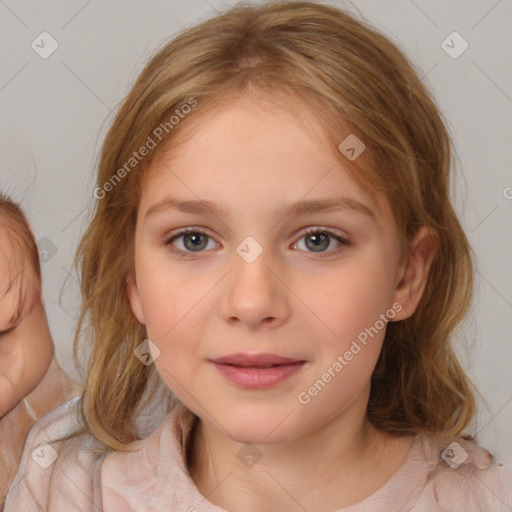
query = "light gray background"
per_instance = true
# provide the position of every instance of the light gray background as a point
(55, 112)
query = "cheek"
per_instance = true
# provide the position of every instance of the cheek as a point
(8, 398)
(167, 302)
(351, 304)
(174, 306)
(11, 371)
(352, 299)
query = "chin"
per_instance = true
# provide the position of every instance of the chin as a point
(259, 429)
(263, 437)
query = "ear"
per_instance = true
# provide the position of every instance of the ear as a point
(132, 292)
(413, 274)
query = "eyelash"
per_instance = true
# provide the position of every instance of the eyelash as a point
(308, 231)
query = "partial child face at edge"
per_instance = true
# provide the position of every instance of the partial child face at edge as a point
(26, 349)
(302, 298)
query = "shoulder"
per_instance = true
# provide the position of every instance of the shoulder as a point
(55, 388)
(57, 475)
(464, 476)
(138, 478)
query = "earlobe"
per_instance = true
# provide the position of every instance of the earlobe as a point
(132, 292)
(414, 274)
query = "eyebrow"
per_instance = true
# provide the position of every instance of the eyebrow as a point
(206, 207)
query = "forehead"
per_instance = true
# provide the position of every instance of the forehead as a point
(257, 151)
(242, 124)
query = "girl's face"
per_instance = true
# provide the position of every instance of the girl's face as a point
(247, 279)
(26, 346)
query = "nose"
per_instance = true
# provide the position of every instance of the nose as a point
(255, 294)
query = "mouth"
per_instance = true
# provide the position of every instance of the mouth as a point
(262, 361)
(256, 372)
(261, 367)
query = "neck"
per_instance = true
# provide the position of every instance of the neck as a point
(336, 466)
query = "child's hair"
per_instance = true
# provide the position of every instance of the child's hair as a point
(350, 76)
(15, 225)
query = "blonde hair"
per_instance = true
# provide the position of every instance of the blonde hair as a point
(349, 75)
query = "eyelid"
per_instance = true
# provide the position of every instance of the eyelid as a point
(10, 329)
(324, 229)
(7, 331)
(178, 233)
(302, 232)
(342, 238)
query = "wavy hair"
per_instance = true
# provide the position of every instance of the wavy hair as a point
(349, 75)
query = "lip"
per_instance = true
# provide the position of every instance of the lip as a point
(241, 370)
(255, 359)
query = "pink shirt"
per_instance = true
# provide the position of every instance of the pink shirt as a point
(153, 476)
(55, 388)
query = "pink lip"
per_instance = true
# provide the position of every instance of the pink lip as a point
(254, 360)
(241, 369)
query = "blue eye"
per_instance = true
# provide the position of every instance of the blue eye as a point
(321, 238)
(195, 241)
